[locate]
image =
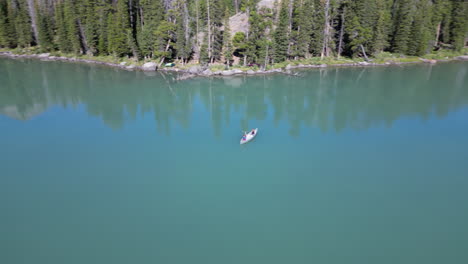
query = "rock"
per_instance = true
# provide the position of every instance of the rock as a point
(250, 72)
(227, 73)
(149, 66)
(217, 73)
(195, 70)
(123, 63)
(44, 55)
(231, 72)
(266, 3)
(429, 61)
(288, 67)
(207, 72)
(363, 63)
(324, 65)
(130, 67)
(465, 57)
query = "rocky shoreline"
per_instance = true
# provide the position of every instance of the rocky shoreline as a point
(195, 71)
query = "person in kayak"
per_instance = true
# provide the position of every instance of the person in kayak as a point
(253, 131)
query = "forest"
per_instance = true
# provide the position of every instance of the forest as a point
(202, 31)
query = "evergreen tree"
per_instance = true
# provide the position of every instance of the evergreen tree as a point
(23, 24)
(91, 26)
(63, 42)
(70, 18)
(302, 28)
(421, 30)
(167, 29)
(403, 22)
(318, 22)
(102, 9)
(227, 43)
(7, 27)
(381, 30)
(281, 34)
(45, 34)
(459, 25)
(152, 15)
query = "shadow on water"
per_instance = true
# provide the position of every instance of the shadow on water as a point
(330, 99)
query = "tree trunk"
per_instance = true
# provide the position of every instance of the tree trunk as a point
(164, 57)
(326, 32)
(141, 17)
(197, 44)
(32, 14)
(186, 22)
(209, 29)
(364, 52)
(236, 4)
(266, 57)
(436, 43)
(340, 43)
(290, 26)
(130, 10)
(84, 43)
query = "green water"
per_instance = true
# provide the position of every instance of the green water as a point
(362, 165)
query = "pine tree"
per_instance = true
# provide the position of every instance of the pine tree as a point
(403, 23)
(63, 42)
(23, 24)
(302, 28)
(227, 43)
(381, 30)
(152, 15)
(102, 9)
(91, 26)
(45, 34)
(318, 22)
(7, 28)
(281, 36)
(71, 24)
(421, 30)
(459, 25)
(119, 36)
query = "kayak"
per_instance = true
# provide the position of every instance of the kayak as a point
(249, 136)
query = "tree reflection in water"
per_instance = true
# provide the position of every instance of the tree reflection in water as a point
(330, 99)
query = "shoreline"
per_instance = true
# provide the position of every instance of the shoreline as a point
(199, 71)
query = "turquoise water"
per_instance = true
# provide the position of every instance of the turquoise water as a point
(362, 165)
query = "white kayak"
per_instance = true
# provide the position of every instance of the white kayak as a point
(249, 136)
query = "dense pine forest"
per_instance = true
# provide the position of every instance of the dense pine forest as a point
(243, 31)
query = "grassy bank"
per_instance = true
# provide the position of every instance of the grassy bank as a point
(382, 58)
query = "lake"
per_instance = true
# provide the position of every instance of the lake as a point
(350, 165)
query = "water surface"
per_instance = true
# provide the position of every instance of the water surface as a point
(359, 165)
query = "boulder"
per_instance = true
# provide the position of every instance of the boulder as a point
(465, 57)
(44, 55)
(227, 73)
(250, 72)
(237, 71)
(130, 67)
(429, 61)
(207, 72)
(288, 67)
(195, 69)
(149, 66)
(123, 63)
